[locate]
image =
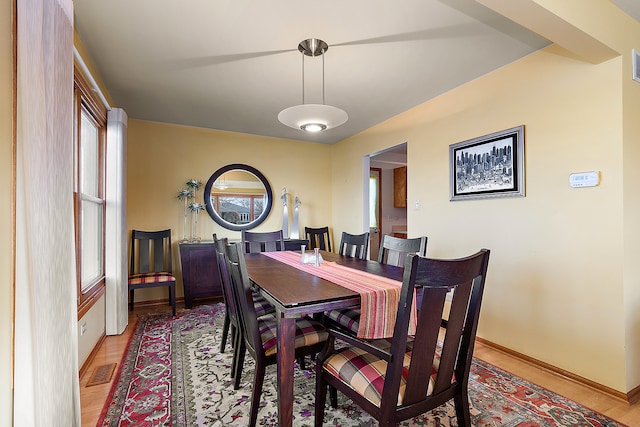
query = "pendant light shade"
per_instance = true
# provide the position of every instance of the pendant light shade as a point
(313, 117)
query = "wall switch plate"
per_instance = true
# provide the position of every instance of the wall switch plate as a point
(584, 179)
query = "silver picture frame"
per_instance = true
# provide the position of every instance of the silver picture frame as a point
(488, 166)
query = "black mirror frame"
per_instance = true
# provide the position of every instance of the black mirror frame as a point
(217, 218)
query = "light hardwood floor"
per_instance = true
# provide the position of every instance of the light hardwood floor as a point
(92, 398)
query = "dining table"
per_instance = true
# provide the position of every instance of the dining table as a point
(295, 292)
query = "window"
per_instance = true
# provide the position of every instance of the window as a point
(239, 208)
(90, 137)
(374, 185)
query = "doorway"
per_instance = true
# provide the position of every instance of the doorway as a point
(375, 210)
(383, 215)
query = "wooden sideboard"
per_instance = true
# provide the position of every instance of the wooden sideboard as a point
(200, 275)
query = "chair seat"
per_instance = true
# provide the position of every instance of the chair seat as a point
(365, 373)
(347, 318)
(261, 305)
(150, 278)
(308, 332)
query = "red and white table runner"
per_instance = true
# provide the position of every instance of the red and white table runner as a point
(379, 295)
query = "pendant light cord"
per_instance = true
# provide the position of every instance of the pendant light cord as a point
(302, 78)
(323, 78)
(303, 55)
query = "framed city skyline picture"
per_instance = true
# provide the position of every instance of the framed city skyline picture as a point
(488, 166)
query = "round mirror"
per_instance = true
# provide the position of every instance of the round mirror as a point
(238, 197)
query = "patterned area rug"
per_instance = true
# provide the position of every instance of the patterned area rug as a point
(172, 374)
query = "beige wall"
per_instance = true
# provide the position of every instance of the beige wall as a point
(631, 217)
(6, 213)
(555, 289)
(162, 158)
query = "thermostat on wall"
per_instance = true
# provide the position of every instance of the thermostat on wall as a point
(584, 179)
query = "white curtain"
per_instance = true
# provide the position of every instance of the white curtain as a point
(46, 356)
(116, 243)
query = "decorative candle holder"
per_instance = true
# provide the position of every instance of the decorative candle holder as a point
(285, 213)
(295, 228)
(195, 209)
(185, 195)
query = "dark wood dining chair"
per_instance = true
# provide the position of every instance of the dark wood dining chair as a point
(392, 250)
(260, 333)
(412, 374)
(354, 245)
(232, 315)
(231, 323)
(151, 264)
(318, 238)
(269, 241)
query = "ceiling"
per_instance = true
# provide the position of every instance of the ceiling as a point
(234, 65)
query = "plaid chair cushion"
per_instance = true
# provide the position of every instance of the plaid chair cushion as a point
(348, 318)
(261, 305)
(308, 332)
(365, 373)
(139, 279)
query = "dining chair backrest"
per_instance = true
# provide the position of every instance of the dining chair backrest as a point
(393, 250)
(150, 252)
(219, 244)
(354, 245)
(463, 278)
(435, 373)
(318, 238)
(230, 302)
(269, 241)
(232, 314)
(241, 288)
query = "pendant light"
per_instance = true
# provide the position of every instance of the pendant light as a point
(313, 117)
(221, 183)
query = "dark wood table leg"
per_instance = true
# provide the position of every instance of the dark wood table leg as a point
(286, 356)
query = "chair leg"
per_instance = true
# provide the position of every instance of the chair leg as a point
(461, 402)
(225, 332)
(172, 298)
(235, 339)
(258, 381)
(321, 398)
(239, 364)
(131, 300)
(234, 335)
(333, 396)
